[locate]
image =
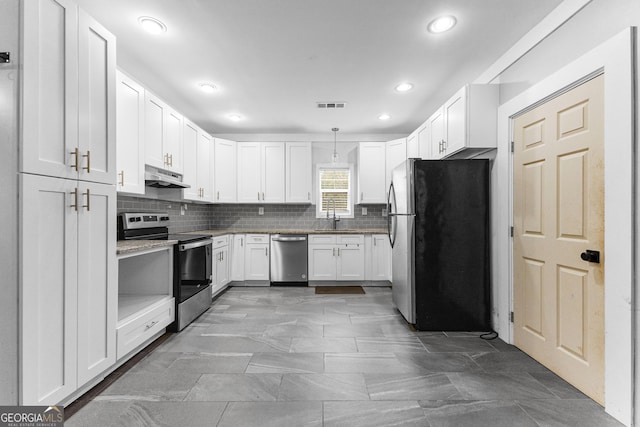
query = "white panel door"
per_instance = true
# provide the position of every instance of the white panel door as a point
(381, 257)
(298, 172)
(224, 171)
(436, 134)
(154, 117)
(97, 280)
(237, 257)
(129, 135)
(205, 163)
(396, 153)
(50, 88)
(190, 161)
(173, 139)
(371, 172)
(322, 262)
(424, 143)
(350, 264)
(249, 174)
(256, 265)
(455, 112)
(97, 101)
(413, 148)
(48, 288)
(273, 172)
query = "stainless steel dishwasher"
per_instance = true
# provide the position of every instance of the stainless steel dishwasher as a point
(289, 258)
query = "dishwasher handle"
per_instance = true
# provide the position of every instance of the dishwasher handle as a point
(289, 238)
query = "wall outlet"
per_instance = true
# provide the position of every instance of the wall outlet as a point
(364, 211)
(384, 212)
(260, 211)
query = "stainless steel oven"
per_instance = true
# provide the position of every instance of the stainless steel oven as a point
(192, 266)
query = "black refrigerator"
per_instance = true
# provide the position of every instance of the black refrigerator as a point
(439, 229)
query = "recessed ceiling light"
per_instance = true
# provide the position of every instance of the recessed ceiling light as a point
(442, 24)
(403, 87)
(384, 117)
(235, 117)
(208, 87)
(152, 25)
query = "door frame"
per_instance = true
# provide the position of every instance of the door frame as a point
(614, 58)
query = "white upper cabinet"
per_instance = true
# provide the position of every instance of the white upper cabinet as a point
(204, 165)
(69, 88)
(198, 161)
(468, 123)
(249, 174)
(396, 153)
(129, 135)
(261, 172)
(163, 135)
(424, 147)
(435, 124)
(413, 147)
(273, 173)
(298, 172)
(371, 172)
(224, 171)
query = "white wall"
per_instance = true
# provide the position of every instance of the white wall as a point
(9, 18)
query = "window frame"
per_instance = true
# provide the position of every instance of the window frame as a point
(351, 193)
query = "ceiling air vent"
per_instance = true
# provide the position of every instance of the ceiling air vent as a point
(331, 105)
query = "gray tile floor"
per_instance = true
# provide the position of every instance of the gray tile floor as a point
(287, 357)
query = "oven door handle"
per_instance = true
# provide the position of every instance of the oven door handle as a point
(199, 243)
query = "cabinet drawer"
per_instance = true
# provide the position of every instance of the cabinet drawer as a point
(322, 239)
(142, 327)
(257, 238)
(220, 241)
(351, 239)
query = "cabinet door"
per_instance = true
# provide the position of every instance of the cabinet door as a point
(97, 280)
(371, 172)
(322, 262)
(436, 134)
(455, 112)
(173, 139)
(256, 265)
(191, 160)
(273, 171)
(395, 155)
(381, 257)
(224, 171)
(48, 289)
(223, 275)
(249, 172)
(50, 88)
(413, 149)
(350, 262)
(298, 172)
(237, 258)
(204, 165)
(129, 135)
(423, 142)
(154, 117)
(97, 101)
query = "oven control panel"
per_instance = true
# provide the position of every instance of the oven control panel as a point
(131, 221)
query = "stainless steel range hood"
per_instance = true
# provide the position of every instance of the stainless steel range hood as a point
(160, 178)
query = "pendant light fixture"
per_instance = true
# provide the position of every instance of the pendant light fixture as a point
(335, 157)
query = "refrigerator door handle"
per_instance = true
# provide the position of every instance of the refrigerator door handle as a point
(391, 225)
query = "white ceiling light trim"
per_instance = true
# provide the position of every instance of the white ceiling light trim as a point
(208, 87)
(404, 87)
(152, 25)
(384, 116)
(442, 24)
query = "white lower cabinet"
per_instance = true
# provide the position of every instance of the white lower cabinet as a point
(237, 257)
(256, 257)
(380, 257)
(144, 325)
(68, 284)
(221, 277)
(336, 257)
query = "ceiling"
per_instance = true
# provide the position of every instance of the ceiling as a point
(273, 60)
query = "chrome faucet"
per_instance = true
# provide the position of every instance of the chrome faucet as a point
(335, 219)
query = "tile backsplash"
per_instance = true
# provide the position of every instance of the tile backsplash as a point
(202, 217)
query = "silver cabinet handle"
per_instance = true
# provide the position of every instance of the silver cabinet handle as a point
(334, 251)
(76, 154)
(218, 195)
(309, 195)
(88, 156)
(374, 242)
(266, 252)
(338, 251)
(170, 160)
(151, 325)
(241, 241)
(121, 178)
(258, 195)
(361, 196)
(75, 197)
(88, 205)
(263, 196)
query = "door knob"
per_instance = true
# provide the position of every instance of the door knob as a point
(591, 256)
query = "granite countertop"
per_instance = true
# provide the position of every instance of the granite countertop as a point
(129, 246)
(215, 233)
